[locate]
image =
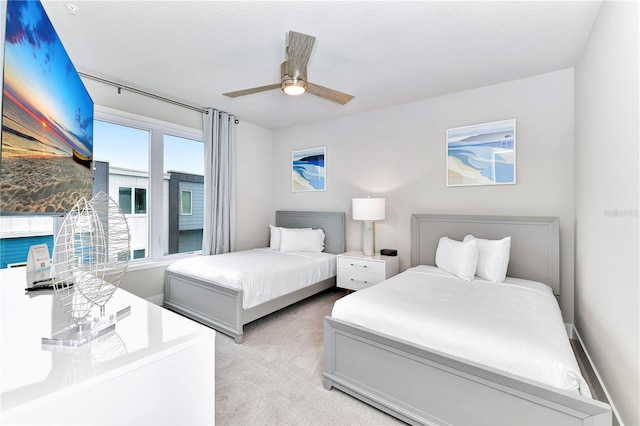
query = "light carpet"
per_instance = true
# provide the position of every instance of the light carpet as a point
(275, 376)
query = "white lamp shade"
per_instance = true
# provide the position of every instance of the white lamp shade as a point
(368, 209)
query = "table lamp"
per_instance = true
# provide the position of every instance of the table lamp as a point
(368, 210)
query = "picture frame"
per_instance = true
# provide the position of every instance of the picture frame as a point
(308, 169)
(481, 154)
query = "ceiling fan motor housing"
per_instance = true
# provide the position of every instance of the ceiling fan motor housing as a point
(295, 78)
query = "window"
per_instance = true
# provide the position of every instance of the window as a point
(138, 162)
(121, 161)
(132, 200)
(139, 254)
(185, 202)
(140, 201)
(124, 200)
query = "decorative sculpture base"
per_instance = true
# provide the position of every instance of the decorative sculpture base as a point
(76, 335)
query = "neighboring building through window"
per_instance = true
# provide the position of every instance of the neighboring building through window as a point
(184, 204)
(186, 218)
(18, 233)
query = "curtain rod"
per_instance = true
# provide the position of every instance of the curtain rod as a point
(142, 92)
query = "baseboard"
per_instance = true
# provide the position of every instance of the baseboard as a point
(573, 334)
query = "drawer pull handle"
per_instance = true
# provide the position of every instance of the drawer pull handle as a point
(365, 281)
(353, 264)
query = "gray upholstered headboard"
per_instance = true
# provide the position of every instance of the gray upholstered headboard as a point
(535, 241)
(332, 223)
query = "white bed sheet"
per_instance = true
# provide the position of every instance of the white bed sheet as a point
(515, 326)
(262, 274)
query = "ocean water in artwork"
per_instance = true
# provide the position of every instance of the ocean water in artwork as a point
(308, 172)
(47, 118)
(482, 158)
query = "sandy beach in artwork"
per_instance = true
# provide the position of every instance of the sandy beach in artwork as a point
(38, 171)
(43, 185)
(461, 174)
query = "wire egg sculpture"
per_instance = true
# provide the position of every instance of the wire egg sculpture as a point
(90, 256)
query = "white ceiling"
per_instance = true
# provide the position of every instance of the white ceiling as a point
(384, 53)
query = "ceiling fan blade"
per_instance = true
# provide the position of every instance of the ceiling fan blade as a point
(252, 90)
(298, 52)
(330, 94)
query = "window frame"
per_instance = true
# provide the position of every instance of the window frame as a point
(155, 192)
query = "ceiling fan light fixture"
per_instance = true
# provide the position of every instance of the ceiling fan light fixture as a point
(293, 86)
(293, 73)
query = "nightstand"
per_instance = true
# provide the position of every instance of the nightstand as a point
(357, 271)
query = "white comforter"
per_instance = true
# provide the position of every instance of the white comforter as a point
(515, 326)
(262, 274)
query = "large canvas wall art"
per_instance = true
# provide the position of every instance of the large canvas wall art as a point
(482, 154)
(308, 171)
(47, 118)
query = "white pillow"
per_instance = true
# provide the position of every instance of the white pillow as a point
(301, 239)
(274, 239)
(457, 257)
(493, 258)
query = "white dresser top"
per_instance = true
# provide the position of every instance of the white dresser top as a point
(33, 375)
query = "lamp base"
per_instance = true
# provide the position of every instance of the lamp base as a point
(368, 237)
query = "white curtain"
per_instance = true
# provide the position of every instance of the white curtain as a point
(219, 183)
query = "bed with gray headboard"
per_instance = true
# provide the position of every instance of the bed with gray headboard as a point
(423, 386)
(221, 307)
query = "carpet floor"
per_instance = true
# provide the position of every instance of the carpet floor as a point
(275, 376)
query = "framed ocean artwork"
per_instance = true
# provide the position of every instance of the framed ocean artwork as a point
(482, 154)
(308, 169)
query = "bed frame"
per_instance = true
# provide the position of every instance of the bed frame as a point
(421, 386)
(220, 307)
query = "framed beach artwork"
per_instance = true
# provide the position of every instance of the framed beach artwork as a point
(308, 169)
(47, 119)
(482, 154)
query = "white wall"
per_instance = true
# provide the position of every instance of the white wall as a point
(399, 153)
(254, 206)
(607, 187)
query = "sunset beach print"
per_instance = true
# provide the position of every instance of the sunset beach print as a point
(47, 118)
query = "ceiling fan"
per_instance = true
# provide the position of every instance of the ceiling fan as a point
(293, 71)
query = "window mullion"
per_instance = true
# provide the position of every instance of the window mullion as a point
(156, 194)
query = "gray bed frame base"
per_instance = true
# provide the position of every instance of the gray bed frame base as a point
(220, 307)
(422, 386)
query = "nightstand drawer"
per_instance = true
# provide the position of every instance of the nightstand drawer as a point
(357, 280)
(356, 271)
(363, 265)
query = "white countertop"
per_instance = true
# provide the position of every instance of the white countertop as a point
(33, 375)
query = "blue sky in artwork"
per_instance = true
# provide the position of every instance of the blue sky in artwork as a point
(40, 77)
